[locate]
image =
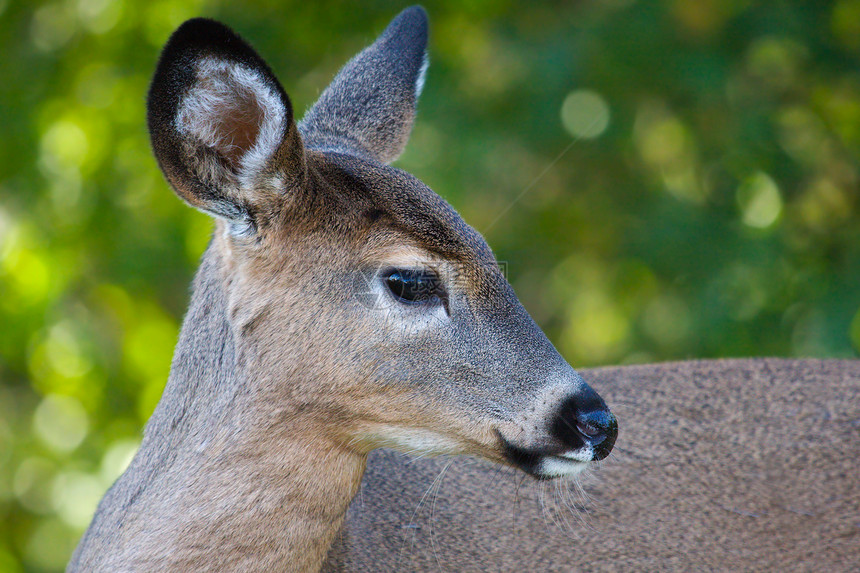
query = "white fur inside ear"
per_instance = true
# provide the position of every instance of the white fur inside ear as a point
(232, 109)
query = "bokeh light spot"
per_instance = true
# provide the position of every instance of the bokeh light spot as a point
(31, 484)
(100, 16)
(76, 496)
(845, 23)
(53, 25)
(667, 147)
(30, 274)
(66, 142)
(775, 61)
(60, 422)
(825, 205)
(596, 327)
(585, 114)
(759, 200)
(64, 352)
(50, 546)
(6, 231)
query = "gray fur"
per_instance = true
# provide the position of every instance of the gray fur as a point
(729, 465)
(369, 108)
(201, 380)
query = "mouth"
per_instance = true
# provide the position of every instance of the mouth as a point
(545, 464)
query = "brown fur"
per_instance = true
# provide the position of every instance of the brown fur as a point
(729, 465)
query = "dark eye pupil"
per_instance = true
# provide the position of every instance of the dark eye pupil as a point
(414, 286)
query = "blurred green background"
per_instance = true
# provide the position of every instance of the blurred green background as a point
(665, 179)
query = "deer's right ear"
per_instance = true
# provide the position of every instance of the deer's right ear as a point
(222, 127)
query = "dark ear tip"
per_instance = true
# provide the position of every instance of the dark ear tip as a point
(416, 14)
(194, 39)
(413, 18)
(174, 70)
(201, 32)
(195, 25)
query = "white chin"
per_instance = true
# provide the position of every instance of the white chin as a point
(555, 467)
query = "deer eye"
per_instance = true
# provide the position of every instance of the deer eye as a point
(415, 286)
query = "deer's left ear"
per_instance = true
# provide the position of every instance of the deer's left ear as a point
(369, 108)
(222, 127)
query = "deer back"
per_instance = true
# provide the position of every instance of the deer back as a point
(721, 465)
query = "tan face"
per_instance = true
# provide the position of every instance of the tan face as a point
(349, 304)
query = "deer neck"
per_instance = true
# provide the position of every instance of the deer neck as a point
(218, 482)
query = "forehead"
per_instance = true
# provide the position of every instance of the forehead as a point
(407, 204)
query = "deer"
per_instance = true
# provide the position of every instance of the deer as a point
(341, 306)
(344, 316)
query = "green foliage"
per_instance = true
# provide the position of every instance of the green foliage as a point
(665, 179)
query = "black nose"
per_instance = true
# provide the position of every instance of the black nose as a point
(585, 419)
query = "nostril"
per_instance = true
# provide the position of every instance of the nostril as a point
(597, 425)
(590, 431)
(608, 431)
(582, 421)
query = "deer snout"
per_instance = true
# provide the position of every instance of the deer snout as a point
(576, 430)
(584, 420)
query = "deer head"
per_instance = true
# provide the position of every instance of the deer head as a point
(362, 303)
(342, 305)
